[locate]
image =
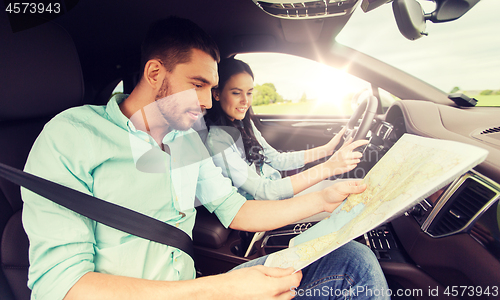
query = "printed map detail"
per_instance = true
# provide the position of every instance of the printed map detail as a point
(414, 168)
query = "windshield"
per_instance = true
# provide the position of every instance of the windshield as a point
(457, 56)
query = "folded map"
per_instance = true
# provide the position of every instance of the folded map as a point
(415, 167)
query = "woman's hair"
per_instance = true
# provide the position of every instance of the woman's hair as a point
(218, 117)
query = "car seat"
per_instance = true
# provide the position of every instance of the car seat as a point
(41, 76)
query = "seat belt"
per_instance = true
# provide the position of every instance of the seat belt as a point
(104, 212)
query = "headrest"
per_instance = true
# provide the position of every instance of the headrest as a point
(40, 72)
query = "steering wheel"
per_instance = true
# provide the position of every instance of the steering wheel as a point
(367, 109)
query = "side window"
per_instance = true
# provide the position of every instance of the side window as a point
(287, 84)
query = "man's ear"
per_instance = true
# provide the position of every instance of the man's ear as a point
(216, 94)
(153, 71)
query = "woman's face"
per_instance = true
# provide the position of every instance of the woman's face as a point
(236, 97)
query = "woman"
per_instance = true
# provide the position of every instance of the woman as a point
(243, 154)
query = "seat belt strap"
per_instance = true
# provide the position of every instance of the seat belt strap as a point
(104, 212)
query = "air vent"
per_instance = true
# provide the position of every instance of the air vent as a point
(490, 135)
(491, 130)
(459, 210)
(307, 9)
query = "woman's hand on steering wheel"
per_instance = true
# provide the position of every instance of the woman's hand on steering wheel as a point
(332, 144)
(345, 159)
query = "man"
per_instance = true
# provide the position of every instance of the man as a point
(100, 150)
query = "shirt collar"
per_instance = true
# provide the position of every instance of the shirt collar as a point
(114, 112)
(172, 135)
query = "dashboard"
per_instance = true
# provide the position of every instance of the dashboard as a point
(452, 237)
(454, 234)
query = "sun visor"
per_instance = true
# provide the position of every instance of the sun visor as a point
(302, 31)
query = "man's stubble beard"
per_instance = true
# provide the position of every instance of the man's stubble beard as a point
(169, 108)
(163, 92)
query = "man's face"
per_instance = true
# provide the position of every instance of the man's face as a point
(181, 110)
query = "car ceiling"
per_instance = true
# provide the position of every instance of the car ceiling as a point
(107, 34)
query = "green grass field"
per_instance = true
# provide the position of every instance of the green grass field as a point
(489, 100)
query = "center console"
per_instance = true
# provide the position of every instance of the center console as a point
(241, 246)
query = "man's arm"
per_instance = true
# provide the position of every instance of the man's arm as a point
(61, 241)
(268, 215)
(272, 283)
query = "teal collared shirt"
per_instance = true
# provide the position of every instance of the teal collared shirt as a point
(98, 151)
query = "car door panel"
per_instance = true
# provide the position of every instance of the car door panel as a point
(292, 133)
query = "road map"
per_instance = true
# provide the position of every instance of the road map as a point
(414, 168)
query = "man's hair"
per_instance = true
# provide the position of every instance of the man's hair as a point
(171, 40)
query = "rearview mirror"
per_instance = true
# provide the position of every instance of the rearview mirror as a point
(449, 10)
(410, 18)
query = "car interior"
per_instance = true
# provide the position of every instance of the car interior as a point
(51, 62)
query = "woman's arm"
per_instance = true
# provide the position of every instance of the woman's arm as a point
(327, 149)
(225, 154)
(344, 160)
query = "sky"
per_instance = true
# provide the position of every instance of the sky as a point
(463, 53)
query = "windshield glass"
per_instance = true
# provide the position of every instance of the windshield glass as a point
(457, 56)
(292, 85)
